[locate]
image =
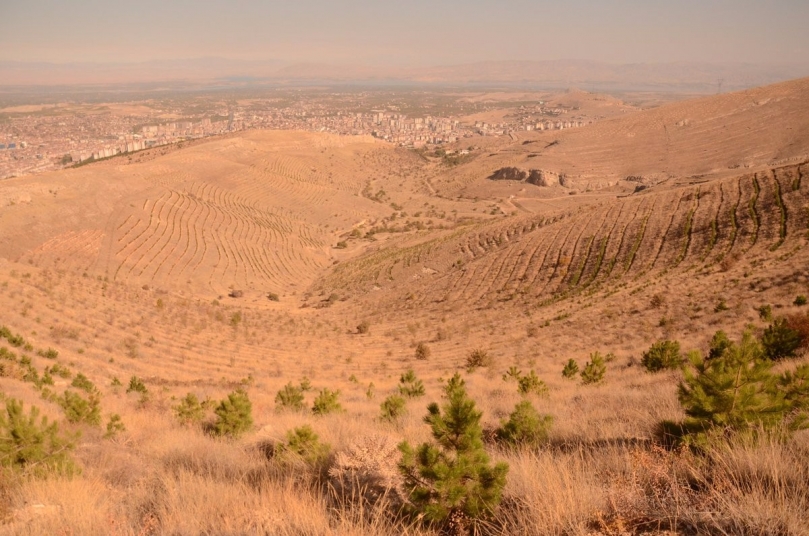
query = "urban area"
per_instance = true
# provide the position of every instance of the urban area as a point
(34, 139)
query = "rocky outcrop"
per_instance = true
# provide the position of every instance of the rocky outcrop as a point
(509, 174)
(537, 177)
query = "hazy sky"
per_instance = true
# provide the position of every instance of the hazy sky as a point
(406, 32)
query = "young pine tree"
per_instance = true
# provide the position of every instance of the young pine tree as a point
(234, 414)
(662, 355)
(738, 392)
(571, 369)
(525, 426)
(289, 398)
(453, 478)
(410, 386)
(32, 445)
(594, 370)
(189, 411)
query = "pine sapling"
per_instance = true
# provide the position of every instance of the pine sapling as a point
(452, 477)
(594, 370)
(571, 369)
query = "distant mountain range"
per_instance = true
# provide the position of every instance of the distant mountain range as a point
(680, 76)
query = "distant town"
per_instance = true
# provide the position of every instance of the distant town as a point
(35, 139)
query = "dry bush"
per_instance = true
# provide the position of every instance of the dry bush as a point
(367, 471)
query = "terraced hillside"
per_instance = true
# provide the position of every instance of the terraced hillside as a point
(256, 212)
(535, 259)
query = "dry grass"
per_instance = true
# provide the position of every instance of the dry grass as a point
(143, 292)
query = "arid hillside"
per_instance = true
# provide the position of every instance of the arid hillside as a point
(706, 137)
(258, 213)
(679, 232)
(233, 337)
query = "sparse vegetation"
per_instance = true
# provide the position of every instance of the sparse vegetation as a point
(171, 285)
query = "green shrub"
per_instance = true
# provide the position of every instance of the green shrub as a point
(303, 444)
(136, 385)
(765, 313)
(410, 386)
(531, 384)
(290, 398)
(326, 402)
(719, 343)
(423, 351)
(525, 426)
(50, 353)
(14, 340)
(47, 379)
(737, 392)
(234, 415)
(453, 477)
(594, 370)
(32, 445)
(779, 340)
(189, 410)
(83, 382)
(393, 408)
(478, 358)
(114, 426)
(800, 300)
(59, 370)
(513, 373)
(571, 369)
(662, 355)
(80, 410)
